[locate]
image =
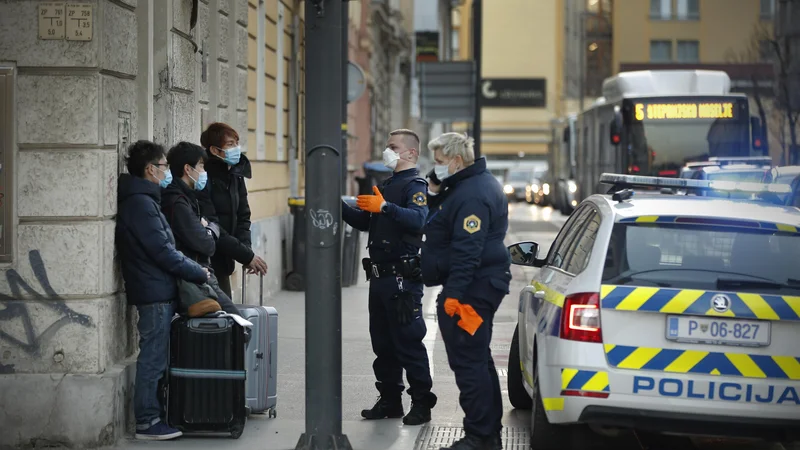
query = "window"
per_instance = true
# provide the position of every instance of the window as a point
(580, 250)
(688, 51)
(560, 251)
(688, 9)
(660, 51)
(767, 9)
(661, 9)
(454, 44)
(697, 256)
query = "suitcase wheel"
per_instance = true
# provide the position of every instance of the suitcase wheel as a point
(273, 413)
(237, 430)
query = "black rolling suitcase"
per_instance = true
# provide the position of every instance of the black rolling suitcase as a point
(207, 376)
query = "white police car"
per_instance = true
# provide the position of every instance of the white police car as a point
(662, 313)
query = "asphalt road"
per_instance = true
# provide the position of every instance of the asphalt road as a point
(358, 392)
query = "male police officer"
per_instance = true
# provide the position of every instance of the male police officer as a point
(465, 253)
(394, 217)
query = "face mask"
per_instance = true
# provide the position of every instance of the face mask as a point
(232, 155)
(167, 179)
(442, 171)
(390, 158)
(200, 182)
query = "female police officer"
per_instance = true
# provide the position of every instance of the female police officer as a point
(464, 252)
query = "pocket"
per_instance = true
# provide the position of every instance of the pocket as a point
(501, 284)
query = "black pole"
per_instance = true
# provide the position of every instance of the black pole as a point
(477, 52)
(323, 227)
(345, 60)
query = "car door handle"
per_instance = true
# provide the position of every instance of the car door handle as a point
(539, 294)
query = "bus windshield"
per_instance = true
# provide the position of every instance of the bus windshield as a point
(663, 135)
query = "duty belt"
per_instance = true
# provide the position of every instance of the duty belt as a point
(406, 268)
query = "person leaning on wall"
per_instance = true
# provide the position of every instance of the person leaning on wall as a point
(224, 201)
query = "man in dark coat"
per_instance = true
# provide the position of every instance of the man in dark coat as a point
(150, 267)
(194, 235)
(224, 201)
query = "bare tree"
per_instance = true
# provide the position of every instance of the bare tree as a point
(783, 65)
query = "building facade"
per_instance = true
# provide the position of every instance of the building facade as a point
(522, 74)
(74, 94)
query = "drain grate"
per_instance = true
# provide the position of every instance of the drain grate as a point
(436, 437)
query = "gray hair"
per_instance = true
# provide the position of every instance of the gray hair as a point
(454, 144)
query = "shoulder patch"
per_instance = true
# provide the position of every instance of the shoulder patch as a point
(472, 224)
(420, 199)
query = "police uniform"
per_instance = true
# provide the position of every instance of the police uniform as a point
(465, 253)
(396, 326)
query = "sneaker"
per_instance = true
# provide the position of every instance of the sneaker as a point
(158, 432)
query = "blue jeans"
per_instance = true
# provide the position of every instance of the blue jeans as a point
(154, 324)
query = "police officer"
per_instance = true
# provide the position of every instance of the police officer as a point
(465, 254)
(394, 217)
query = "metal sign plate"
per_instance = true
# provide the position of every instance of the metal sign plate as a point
(447, 91)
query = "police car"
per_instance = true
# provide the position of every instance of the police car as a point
(675, 314)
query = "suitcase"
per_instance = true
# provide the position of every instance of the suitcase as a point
(261, 354)
(206, 378)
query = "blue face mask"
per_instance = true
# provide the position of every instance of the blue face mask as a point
(200, 182)
(167, 179)
(232, 155)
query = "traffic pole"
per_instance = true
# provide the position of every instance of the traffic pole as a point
(323, 40)
(345, 60)
(477, 56)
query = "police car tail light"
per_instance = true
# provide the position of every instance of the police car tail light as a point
(580, 318)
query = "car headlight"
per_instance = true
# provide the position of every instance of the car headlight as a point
(508, 189)
(535, 188)
(546, 189)
(572, 187)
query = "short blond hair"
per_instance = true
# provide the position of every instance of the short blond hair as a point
(454, 144)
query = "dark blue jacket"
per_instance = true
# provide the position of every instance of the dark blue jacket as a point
(150, 262)
(464, 234)
(397, 232)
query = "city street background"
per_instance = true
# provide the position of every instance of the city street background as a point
(526, 223)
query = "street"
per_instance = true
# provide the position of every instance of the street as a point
(281, 433)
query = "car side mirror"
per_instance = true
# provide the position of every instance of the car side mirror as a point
(525, 254)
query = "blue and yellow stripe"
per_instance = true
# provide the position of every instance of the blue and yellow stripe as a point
(702, 362)
(698, 303)
(716, 221)
(584, 380)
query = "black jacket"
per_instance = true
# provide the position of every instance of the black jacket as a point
(146, 246)
(224, 201)
(182, 210)
(464, 234)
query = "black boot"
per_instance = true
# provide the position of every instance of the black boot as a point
(473, 442)
(421, 405)
(388, 406)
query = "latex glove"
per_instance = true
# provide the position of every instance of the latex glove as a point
(371, 203)
(469, 321)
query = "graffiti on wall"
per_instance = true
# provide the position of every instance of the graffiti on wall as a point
(13, 308)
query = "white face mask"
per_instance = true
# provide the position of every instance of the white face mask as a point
(442, 171)
(390, 158)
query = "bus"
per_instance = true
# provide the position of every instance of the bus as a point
(561, 163)
(653, 122)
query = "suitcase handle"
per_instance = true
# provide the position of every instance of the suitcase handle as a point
(260, 288)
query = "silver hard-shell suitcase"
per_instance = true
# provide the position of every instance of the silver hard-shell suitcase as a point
(261, 354)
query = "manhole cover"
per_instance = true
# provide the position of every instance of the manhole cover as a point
(436, 437)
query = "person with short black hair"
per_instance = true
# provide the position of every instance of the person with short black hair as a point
(195, 236)
(225, 202)
(151, 266)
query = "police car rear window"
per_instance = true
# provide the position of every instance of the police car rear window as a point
(703, 257)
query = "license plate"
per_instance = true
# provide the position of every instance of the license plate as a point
(714, 330)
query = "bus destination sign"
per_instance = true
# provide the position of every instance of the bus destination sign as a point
(685, 111)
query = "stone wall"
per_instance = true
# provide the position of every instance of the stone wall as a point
(63, 326)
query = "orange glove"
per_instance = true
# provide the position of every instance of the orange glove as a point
(371, 203)
(470, 319)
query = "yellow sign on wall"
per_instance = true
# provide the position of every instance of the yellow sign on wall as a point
(684, 111)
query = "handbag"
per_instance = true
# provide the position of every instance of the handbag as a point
(196, 300)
